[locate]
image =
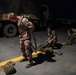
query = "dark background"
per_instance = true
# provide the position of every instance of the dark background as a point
(55, 6)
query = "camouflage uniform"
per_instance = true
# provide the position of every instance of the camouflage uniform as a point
(25, 37)
(47, 46)
(71, 37)
(74, 32)
(53, 35)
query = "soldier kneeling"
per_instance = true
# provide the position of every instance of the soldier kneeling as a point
(50, 42)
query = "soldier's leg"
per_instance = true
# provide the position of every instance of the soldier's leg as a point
(53, 44)
(28, 52)
(22, 47)
(42, 46)
(50, 46)
(66, 42)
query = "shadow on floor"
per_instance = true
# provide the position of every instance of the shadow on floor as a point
(44, 57)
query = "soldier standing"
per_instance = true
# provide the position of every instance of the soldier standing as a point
(25, 29)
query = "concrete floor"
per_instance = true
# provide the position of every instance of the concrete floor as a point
(47, 63)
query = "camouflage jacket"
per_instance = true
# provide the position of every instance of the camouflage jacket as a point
(24, 28)
(53, 35)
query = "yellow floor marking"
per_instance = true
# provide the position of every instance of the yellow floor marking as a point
(17, 58)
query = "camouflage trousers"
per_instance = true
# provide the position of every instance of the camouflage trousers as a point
(46, 46)
(25, 46)
(71, 40)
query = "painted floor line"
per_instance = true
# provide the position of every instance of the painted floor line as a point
(17, 58)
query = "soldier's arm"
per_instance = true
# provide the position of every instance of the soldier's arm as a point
(28, 24)
(53, 38)
(31, 27)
